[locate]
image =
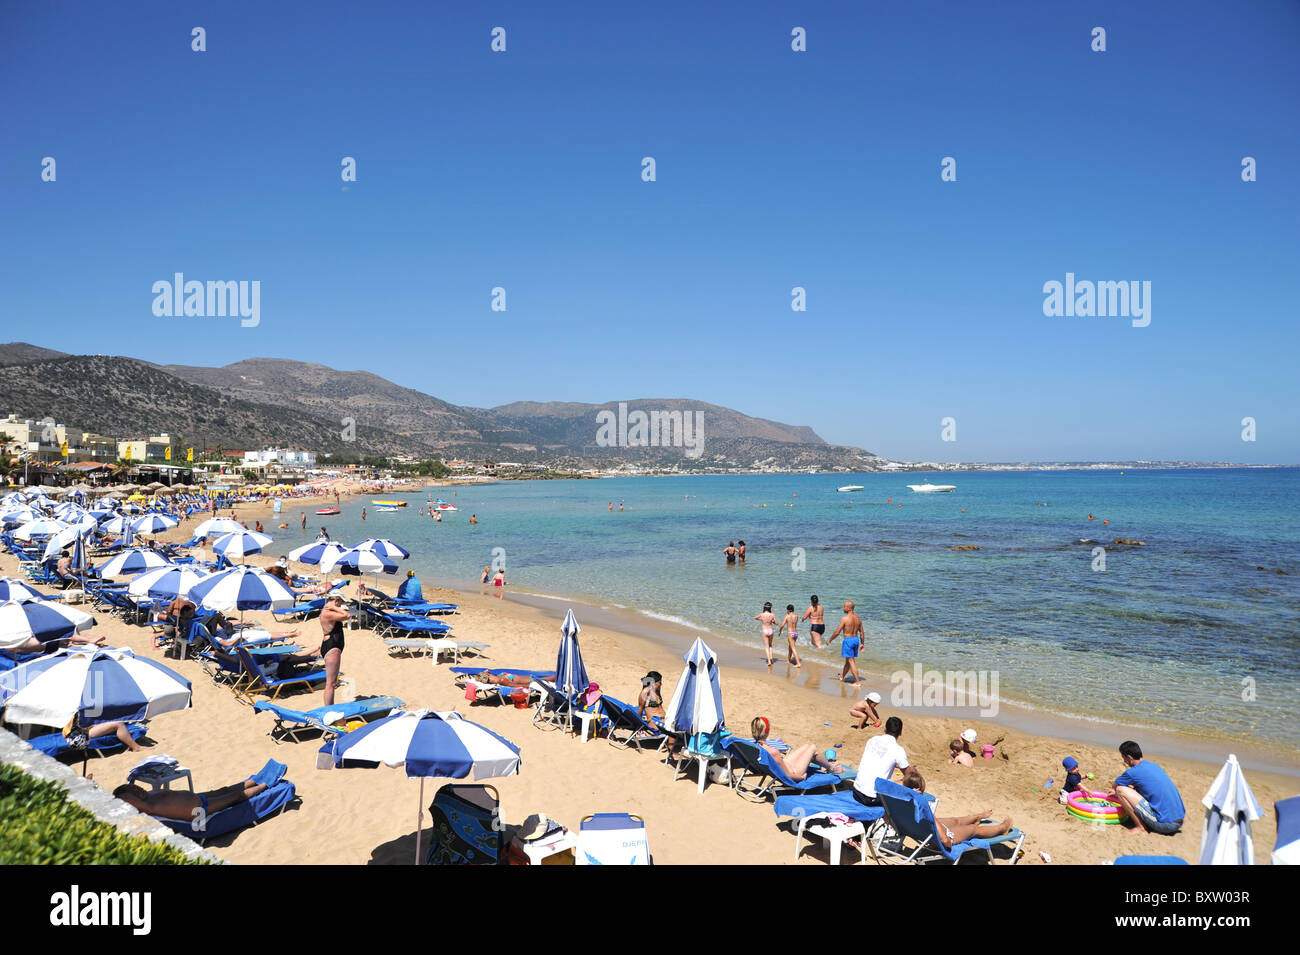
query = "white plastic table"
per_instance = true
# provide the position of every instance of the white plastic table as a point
(161, 777)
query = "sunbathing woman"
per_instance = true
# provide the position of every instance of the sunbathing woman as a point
(179, 804)
(510, 679)
(955, 829)
(797, 761)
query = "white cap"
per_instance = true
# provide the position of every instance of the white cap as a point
(969, 736)
(874, 697)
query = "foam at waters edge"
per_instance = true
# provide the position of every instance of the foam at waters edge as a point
(679, 621)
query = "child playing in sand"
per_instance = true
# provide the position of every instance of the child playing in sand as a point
(1073, 775)
(767, 620)
(958, 753)
(865, 711)
(790, 626)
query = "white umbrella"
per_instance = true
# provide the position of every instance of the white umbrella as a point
(696, 704)
(218, 527)
(1230, 808)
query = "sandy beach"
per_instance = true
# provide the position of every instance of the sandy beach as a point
(369, 816)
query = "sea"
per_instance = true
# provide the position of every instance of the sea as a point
(1193, 631)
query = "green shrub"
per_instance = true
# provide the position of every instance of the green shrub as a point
(39, 826)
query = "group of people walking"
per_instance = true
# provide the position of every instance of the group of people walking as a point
(850, 629)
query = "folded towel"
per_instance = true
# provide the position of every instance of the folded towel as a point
(151, 765)
(271, 773)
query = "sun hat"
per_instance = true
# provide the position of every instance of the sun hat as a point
(537, 826)
(592, 693)
(1070, 763)
(969, 735)
(873, 696)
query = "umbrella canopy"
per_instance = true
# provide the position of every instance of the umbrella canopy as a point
(316, 552)
(69, 535)
(42, 527)
(219, 527)
(101, 685)
(117, 525)
(357, 562)
(166, 583)
(1230, 808)
(696, 705)
(384, 547)
(134, 561)
(427, 743)
(11, 588)
(570, 674)
(43, 620)
(152, 524)
(240, 544)
(15, 516)
(1287, 849)
(243, 588)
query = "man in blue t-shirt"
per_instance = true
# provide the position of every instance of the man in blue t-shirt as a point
(410, 588)
(1147, 792)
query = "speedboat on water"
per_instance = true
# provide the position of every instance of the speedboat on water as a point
(850, 487)
(932, 488)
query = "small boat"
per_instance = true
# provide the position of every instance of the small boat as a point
(326, 511)
(850, 487)
(932, 488)
(389, 503)
(442, 505)
(386, 508)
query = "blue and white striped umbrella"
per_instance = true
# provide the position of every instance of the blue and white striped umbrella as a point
(696, 704)
(166, 583)
(101, 685)
(69, 535)
(356, 562)
(1230, 808)
(219, 527)
(384, 547)
(118, 525)
(570, 674)
(240, 544)
(135, 561)
(152, 524)
(40, 528)
(242, 588)
(11, 588)
(427, 743)
(44, 620)
(316, 552)
(17, 516)
(70, 512)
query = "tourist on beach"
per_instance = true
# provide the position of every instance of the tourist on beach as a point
(184, 805)
(968, 739)
(740, 551)
(790, 626)
(767, 620)
(499, 581)
(324, 535)
(957, 829)
(332, 616)
(1073, 775)
(258, 527)
(178, 616)
(509, 679)
(816, 614)
(958, 753)
(650, 704)
(883, 754)
(437, 517)
(487, 574)
(865, 710)
(279, 571)
(304, 520)
(799, 760)
(851, 628)
(79, 736)
(1147, 792)
(410, 588)
(473, 518)
(611, 507)
(730, 552)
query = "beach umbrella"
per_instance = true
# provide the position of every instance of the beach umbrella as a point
(1286, 851)
(166, 583)
(41, 527)
(240, 544)
(99, 684)
(134, 561)
(315, 552)
(70, 512)
(355, 562)
(219, 527)
(384, 547)
(570, 674)
(11, 588)
(427, 744)
(696, 704)
(62, 539)
(152, 524)
(243, 588)
(42, 620)
(15, 516)
(1230, 808)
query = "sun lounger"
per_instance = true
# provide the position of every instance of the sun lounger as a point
(1149, 860)
(56, 744)
(255, 682)
(612, 838)
(812, 811)
(626, 728)
(466, 826)
(290, 723)
(749, 759)
(911, 816)
(434, 647)
(264, 805)
(463, 673)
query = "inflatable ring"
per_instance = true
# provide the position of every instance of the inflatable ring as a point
(1094, 807)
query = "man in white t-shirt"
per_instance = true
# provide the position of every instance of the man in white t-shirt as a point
(879, 760)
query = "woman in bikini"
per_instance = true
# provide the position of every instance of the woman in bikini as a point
(650, 704)
(768, 621)
(798, 760)
(955, 829)
(790, 626)
(816, 614)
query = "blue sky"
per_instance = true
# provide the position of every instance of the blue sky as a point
(775, 169)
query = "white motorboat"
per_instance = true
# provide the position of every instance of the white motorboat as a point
(932, 488)
(850, 487)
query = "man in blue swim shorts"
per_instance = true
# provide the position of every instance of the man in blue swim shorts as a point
(851, 629)
(1147, 792)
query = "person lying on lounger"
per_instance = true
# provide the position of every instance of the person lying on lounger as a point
(799, 760)
(187, 806)
(509, 679)
(228, 638)
(79, 736)
(955, 829)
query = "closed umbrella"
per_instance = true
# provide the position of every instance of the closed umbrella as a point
(1230, 808)
(570, 674)
(427, 744)
(42, 620)
(696, 704)
(134, 561)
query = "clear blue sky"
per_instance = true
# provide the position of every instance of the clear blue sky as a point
(775, 169)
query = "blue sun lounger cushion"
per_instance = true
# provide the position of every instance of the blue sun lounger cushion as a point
(912, 816)
(56, 744)
(278, 794)
(290, 722)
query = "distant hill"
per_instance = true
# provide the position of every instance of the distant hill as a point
(17, 353)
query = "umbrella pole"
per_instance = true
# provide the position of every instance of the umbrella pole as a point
(419, 821)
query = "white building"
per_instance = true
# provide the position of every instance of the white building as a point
(283, 456)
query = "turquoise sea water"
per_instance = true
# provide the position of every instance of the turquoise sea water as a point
(1171, 635)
